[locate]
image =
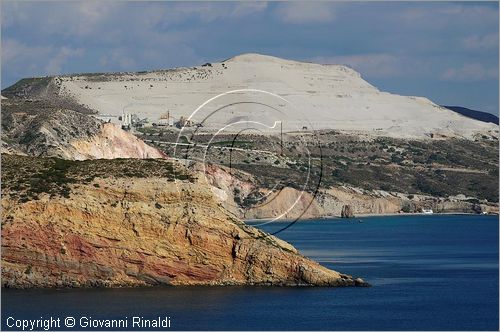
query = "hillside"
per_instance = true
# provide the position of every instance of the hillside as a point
(315, 96)
(439, 168)
(116, 223)
(40, 128)
(458, 157)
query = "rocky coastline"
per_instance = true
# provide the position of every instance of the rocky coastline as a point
(119, 231)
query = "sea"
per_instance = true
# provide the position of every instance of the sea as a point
(428, 272)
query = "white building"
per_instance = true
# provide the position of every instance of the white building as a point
(126, 120)
(166, 120)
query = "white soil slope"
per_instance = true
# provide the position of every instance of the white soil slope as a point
(111, 143)
(319, 96)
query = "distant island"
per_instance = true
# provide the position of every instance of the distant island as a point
(478, 115)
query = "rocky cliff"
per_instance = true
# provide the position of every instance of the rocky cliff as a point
(38, 128)
(112, 142)
(133, 223)
(241, 193)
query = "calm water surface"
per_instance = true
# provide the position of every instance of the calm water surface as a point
(427, 272)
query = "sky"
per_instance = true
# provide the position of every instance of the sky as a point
(445, 51)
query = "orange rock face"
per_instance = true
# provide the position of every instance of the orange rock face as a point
(121, 232)
(112, 142)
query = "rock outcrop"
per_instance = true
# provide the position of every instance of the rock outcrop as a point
(114, 230)
(240, 193)
(113, 142)
(38, 129)
(346, 212)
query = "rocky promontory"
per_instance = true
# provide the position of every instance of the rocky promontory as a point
(121, 223)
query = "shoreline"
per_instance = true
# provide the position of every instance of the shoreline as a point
(369, 215)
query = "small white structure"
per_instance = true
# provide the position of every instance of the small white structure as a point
(427, 211)
(126, 119)
(162, 122)
(166, 120)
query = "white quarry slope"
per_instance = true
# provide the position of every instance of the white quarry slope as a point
(317, 97)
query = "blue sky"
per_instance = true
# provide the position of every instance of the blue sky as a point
(446, 51)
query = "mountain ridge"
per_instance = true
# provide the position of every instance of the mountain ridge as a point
(327, 97)
(474, 114)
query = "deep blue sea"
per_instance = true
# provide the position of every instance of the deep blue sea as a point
(428, 273)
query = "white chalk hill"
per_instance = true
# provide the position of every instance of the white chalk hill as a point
(316, 96)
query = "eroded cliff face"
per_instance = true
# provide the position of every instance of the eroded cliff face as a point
(240, 193)
(134, 231)
(112, 142)
(36, 128)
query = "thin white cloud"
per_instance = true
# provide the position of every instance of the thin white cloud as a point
(118, 58)
(22, 60)
(27, 61)
(116, 35)
(306, 12)
(99, 19)
(247, 8)
(379, 65)
(83, 18)
(56, 63)
(484, 42)
(446, 14)
(470, 72)
(11, 13)
(14, 51)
